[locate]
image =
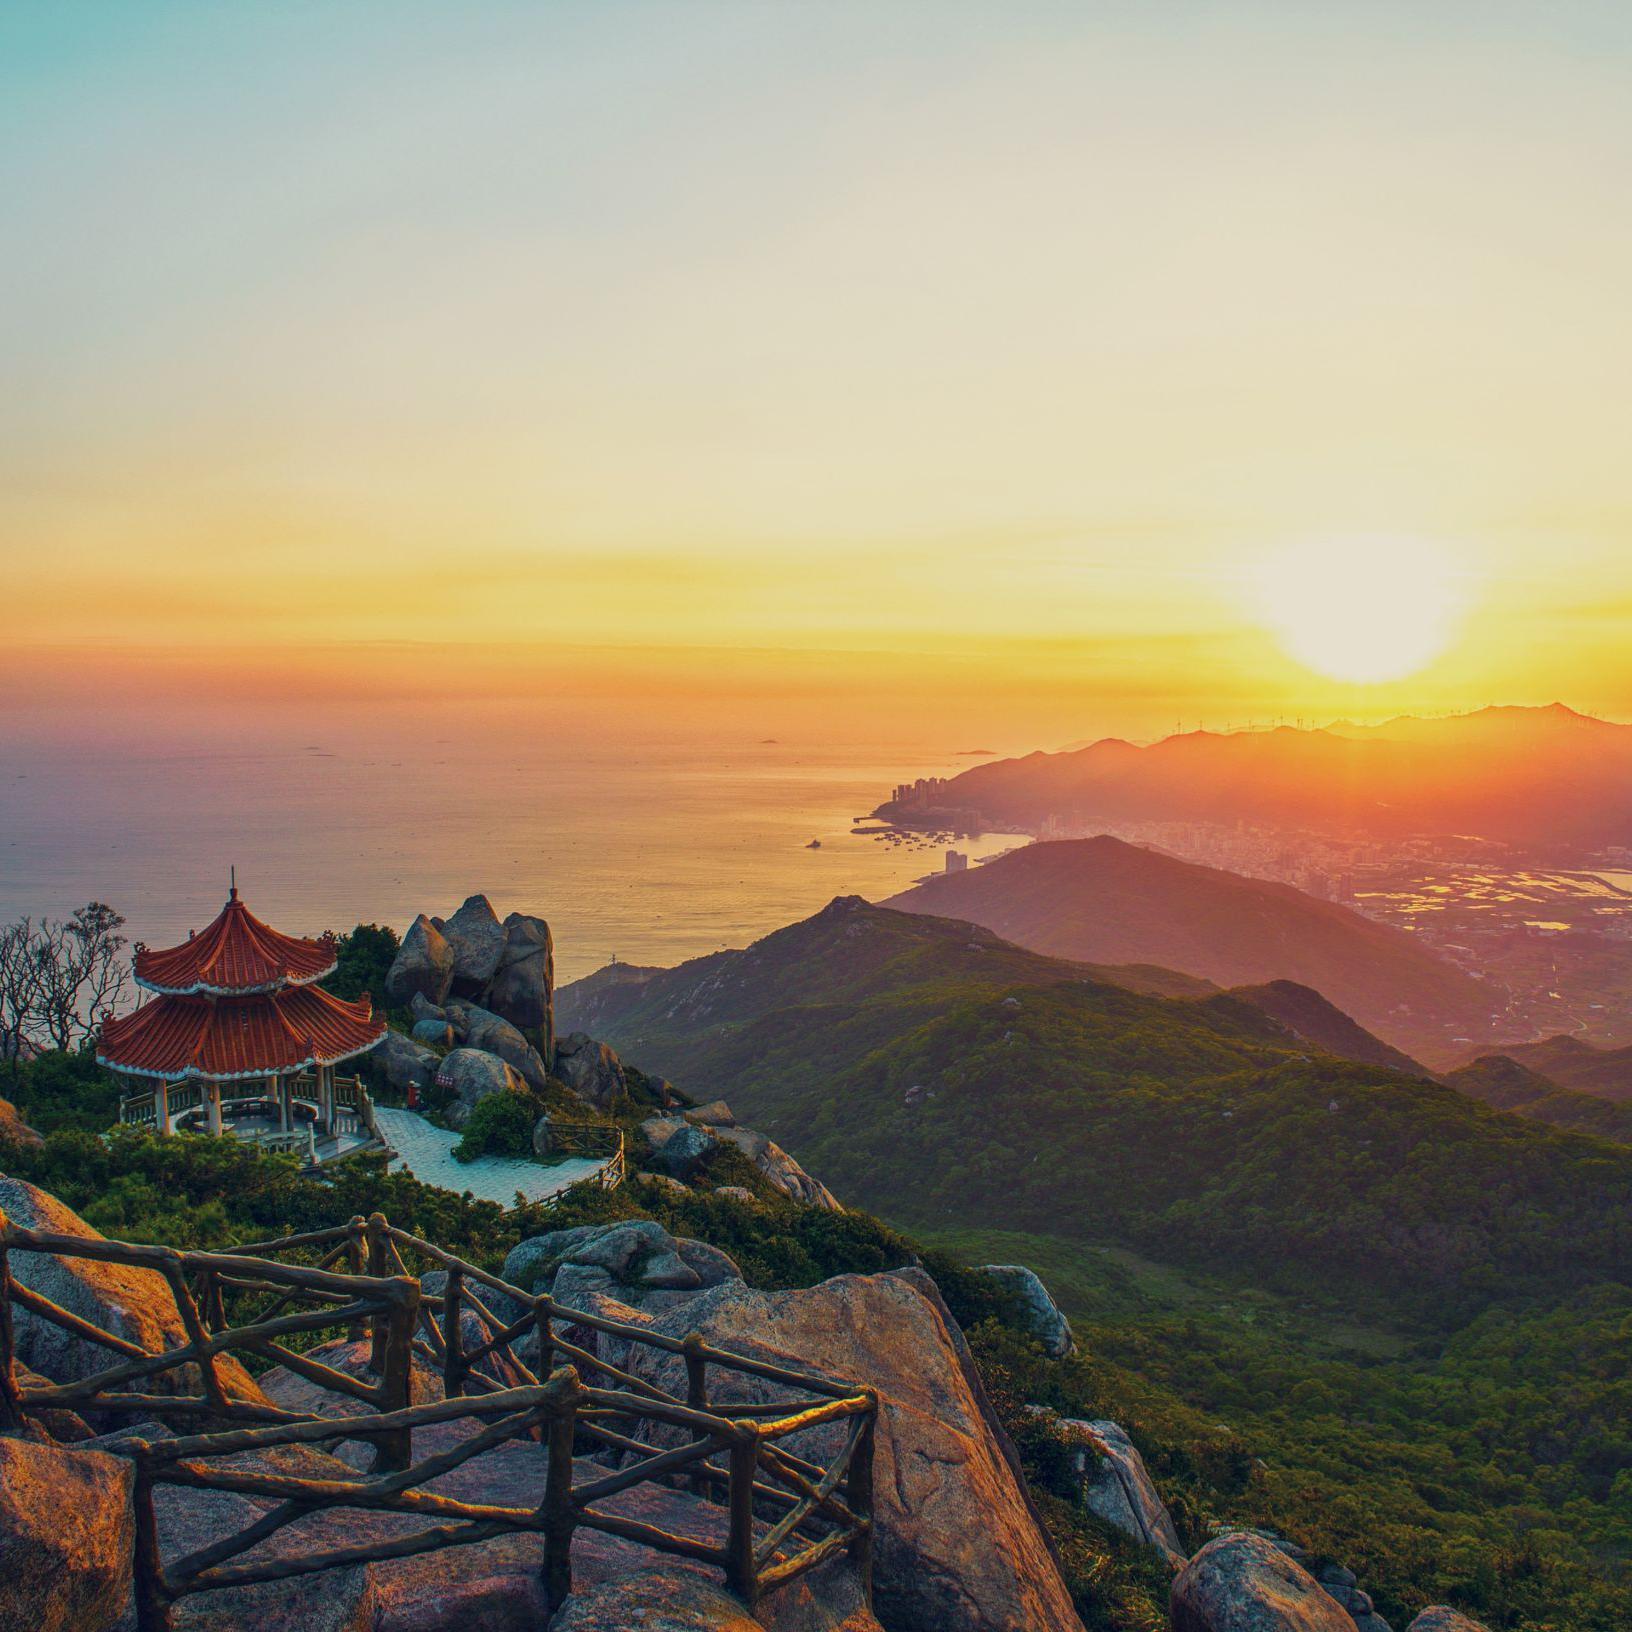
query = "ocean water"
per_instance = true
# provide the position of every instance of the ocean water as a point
(651, 844)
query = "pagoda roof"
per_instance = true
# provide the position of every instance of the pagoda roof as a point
(237, 954)
(221, 1039)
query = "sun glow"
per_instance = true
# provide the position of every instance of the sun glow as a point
(1364, 609)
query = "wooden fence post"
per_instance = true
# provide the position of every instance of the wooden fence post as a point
(152, 1603)
(359, 1264)
(453, 1356)
(197, 1336)
(858, 1497)
(11, 1400)
(741, 1572)
(394, 1449)
(560, 1515)
(697, 1398)
(380, 1321)
(212, 1305)
(546, 1335)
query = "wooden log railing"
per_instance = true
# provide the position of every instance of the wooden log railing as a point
(514, 1363)
(592, 1139)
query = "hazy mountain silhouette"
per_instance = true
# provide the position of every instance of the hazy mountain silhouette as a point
(1567, 1062)
(1103, 901)
(1546, 778)
(1502, 1081)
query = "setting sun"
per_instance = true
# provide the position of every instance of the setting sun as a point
(1363, 609)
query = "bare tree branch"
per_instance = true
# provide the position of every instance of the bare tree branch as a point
(59, 980)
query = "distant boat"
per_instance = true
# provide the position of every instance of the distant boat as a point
(815, 844)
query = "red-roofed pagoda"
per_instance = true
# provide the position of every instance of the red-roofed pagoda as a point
(238, 1004)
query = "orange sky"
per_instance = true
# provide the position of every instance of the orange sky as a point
(984, 367)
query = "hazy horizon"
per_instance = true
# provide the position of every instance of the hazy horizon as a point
(1091, 372)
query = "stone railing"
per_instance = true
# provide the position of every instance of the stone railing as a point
(352, 1102)
(781, 1513)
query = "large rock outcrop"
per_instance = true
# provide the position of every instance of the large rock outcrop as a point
(1042, 1313)
(661, 1600)
(591, 1070)
(958, 1542)
(1243, 1583)
(680, 1144)
(506, 968)
(1442, 1618)
(402, 1063)
(477, 938)
(523, 984)
(473, 1074)
(779, 1167)
(423, 966)
(66, 1538)
(481, 1028)
(674, 1597)
(135, 1304)
(1117, 1486)
(678, 1148)
(14, 1129)
(638, 1256)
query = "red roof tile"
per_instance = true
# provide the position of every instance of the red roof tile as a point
(255, 1036)
(237, 953)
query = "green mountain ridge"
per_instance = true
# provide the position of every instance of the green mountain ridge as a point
(1106, 901)
(1389, 1318)
(1502, 1081)
(982, 1088)
(1568, 1062)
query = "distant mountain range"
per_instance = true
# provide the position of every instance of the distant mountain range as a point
(929, 1071)
(851, 952)
(1502, 1081)
(1103, 901)
(827, 959)
(1568, 1062)
(1547, 779)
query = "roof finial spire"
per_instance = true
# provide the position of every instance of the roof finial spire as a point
(232, 873)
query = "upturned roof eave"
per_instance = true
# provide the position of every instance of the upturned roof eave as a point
(206, 989)
(284, 1070)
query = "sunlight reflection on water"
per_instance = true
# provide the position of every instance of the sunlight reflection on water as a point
(656, 849)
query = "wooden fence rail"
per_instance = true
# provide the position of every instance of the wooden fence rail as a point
(781, 1512)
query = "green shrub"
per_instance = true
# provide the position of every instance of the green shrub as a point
(500, 1125)
(59, 1090)
(365, 956)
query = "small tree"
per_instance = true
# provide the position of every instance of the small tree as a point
(501, 1124)
(364, 957)
(19, 991)
(59, 978)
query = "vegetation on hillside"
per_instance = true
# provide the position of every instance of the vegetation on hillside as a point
(1114, 902)
(1191, 1130)
(1503, 1082)
(1459, 1471)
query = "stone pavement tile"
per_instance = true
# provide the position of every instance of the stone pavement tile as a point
(426, 1151)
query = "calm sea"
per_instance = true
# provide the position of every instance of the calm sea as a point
(653, 847)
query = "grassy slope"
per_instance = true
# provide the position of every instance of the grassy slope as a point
(1453, 1470)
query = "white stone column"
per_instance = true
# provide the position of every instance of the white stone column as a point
(161, 1106)
(285, 1087)
(214, 1091)
(325, 1097)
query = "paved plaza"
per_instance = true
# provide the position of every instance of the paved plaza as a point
(426, 1151)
